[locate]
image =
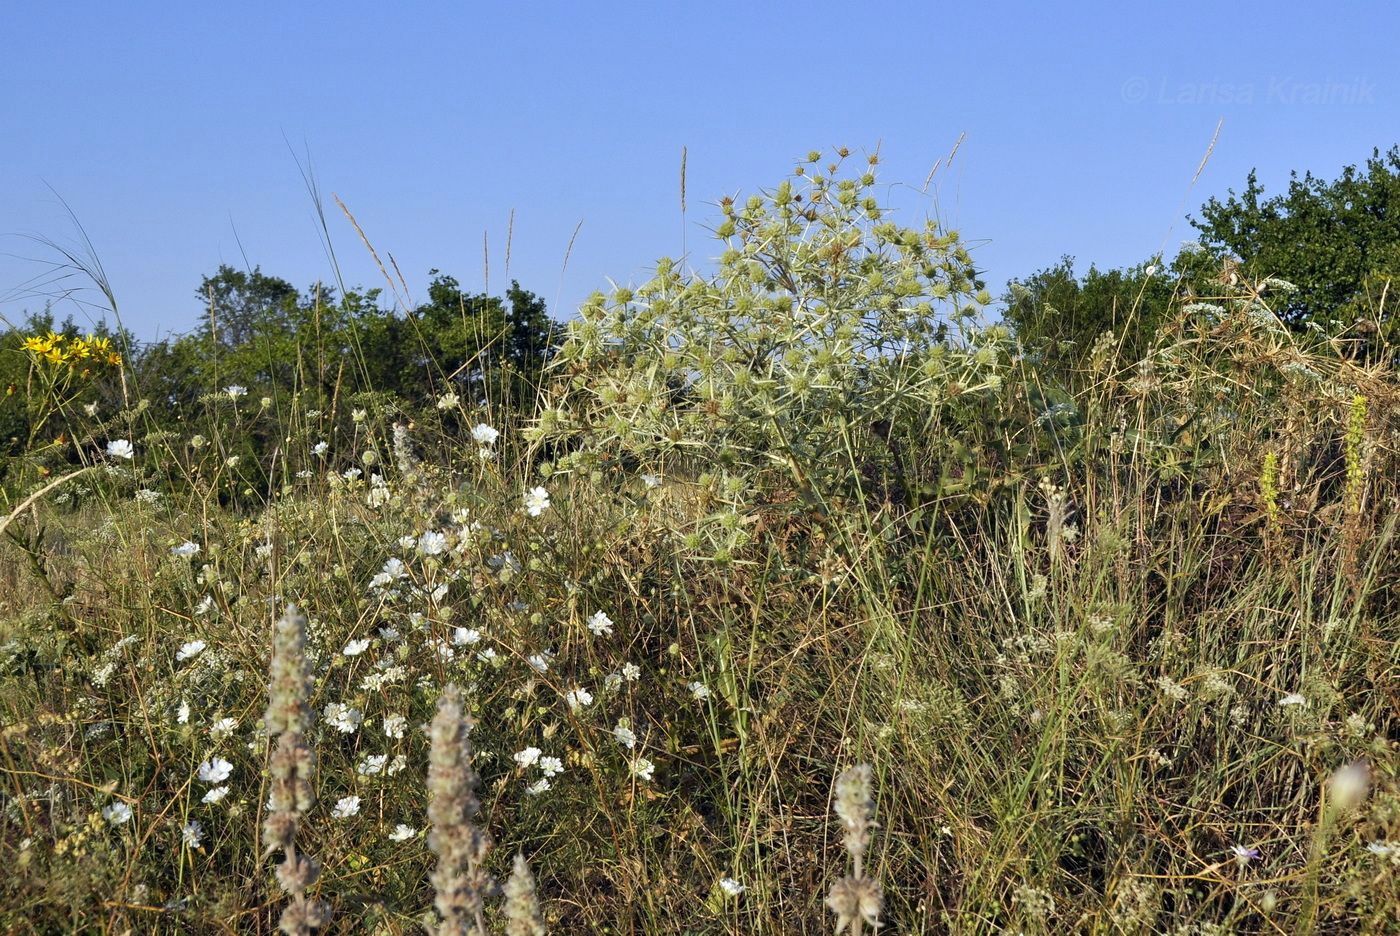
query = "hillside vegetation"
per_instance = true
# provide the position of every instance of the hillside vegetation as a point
(1120, 644)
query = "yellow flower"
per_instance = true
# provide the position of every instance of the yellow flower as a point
(78, 350)
(54, 355)
(37, 345)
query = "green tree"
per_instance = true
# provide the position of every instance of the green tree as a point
(239, 304)
(1059, 316)
(1337, 241)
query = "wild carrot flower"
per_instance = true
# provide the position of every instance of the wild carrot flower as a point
(120, 448)
(185, 550)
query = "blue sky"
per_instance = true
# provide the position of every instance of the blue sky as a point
(166, 126)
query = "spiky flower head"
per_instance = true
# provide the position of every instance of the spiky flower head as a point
(290, 685)
(855, 806)
(522, 908)
(855, 900)
(459, 879)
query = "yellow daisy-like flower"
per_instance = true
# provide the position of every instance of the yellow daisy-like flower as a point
(78, 350)
(37, 345)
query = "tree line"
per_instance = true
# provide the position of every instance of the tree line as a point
(1331, 247)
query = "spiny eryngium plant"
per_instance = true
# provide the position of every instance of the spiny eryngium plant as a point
(822, 335)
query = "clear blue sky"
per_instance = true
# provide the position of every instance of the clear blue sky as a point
(165, 127)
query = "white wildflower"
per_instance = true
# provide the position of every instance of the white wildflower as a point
(536, 501)
(356, 647)
(342, 717)
(345, 807)
(215, 770)
(117, 813)
(189, 650)
(578, 698)
(372, 764)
